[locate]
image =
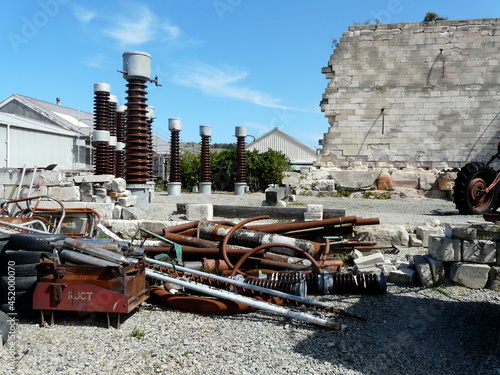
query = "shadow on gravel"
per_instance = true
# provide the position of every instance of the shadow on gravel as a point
(406, 335)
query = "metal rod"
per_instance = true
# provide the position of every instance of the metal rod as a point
(246, 300)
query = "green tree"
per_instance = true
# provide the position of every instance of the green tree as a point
(190, 169)
(430, 16)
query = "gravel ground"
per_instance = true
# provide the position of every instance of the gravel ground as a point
(411, 330)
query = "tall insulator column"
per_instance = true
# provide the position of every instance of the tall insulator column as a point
(205, 185)
(120, 141)
(101, 135)
(137, 71)
(174, 183)
(151, 117)
(240, 185)
(113, 102)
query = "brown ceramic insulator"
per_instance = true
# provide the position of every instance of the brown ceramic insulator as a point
(205, 170)
(175, 159)
(150, 151)
(136, 136)
(101, 104)
(112, 131)
(120, 137)
(241, 161)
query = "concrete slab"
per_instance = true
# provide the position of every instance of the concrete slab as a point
(470, 275)
(445, 249)
(479, 251)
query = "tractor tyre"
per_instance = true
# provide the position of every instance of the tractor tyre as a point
(471, 180)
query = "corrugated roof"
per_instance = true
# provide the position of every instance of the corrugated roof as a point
(280, 141)
(22, 122)
(68, 118)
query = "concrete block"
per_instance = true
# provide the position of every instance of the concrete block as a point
(48, 178)
(479, 251)
(123, 228)
(369, 260)
(98, 178)
(424, 232)
(386, 268)
(355, 254)
(403, 276)
(315, 209)
(117, 212)
(40, 190)
(470, 275)
(383, 234)
(355, 179)
(2, 191)
(414, 241)
(423, 271)
(198, 211)
(101, 192)
(88, 198)
(427, 180)
(69, 193)
(312, 216)
(118, 185)
(86, 188)
(132, 213)
(460, 231)
(487, 231)
(494, 279)
(405, 179)
(104, 209)
(127, 201)
(437, 269)
(276, 194)
(445, 249)
(368, 269)
(98, 199)
(498, 254)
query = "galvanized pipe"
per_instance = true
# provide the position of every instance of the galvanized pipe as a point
(84, 258)
(96, 251)
(246, 300)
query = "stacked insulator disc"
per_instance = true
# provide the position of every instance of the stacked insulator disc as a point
(101, 128)
(284, 284)
(120, 141)
(205, 170)
(150, 143)
(136, 139)
(175, 166)
(241, 160)
(113, 101)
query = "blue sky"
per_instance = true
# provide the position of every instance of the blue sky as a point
(225, 63)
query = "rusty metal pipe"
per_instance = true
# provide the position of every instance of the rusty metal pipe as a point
(189, 240)
(246, 300)
(95, 251)
(298, 225)
(252, 239)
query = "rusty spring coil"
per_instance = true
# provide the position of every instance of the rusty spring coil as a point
(205, 170)
(101, 149)
(120, 137)
(241, 161)
(136, 149)
(175, 165)
(285, 284)
(342, 283)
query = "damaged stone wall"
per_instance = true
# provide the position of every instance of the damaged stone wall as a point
(418, 95)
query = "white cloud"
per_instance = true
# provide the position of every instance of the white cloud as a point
(82, 14)
(95, 61)
(141, 27)
(222, 81)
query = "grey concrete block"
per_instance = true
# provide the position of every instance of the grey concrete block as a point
(487, 231)
(424, 232)
(444, 249)
(460, 231)
(104, 209)
(383, 234)
(479, 251)
(117, 212)
(414, 241)
(494, 279)
(86, 188)
(470, 275)
(423, 271)
(403, 276)
(69, 193)
(308, 216)
(101, 192)
(437, 269)
(198, 211)
(369, 260)
(119, 185)
(98, 178)
(132, 213)
(127, 201)
(276, 194)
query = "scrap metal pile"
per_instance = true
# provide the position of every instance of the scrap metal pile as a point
(207, 267)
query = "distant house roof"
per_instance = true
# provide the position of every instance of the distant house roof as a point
(51, 113)
(280, 141)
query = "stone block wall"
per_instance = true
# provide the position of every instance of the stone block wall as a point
(422, 95)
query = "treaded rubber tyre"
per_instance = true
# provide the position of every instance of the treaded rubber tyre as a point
(20, 283)
(33, 241)
(24, 256)
(4, 326)
(472, 178)
(22, 270)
